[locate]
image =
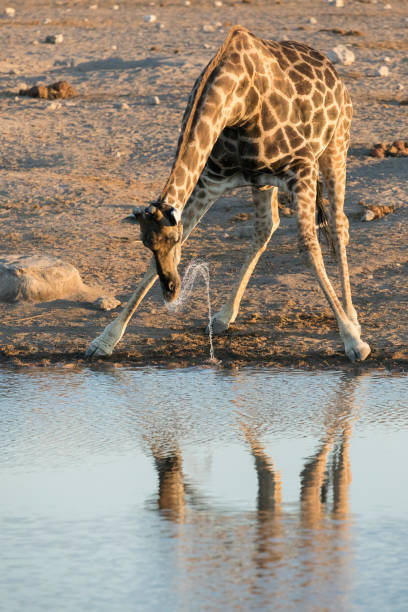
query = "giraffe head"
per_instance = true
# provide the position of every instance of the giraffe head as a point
(161, 232)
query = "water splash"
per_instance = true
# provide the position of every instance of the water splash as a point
(194, 268)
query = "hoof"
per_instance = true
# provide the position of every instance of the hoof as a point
(218, 327)
(98, 348)
(359, 352)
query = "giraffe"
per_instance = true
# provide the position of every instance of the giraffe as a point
(268, 115)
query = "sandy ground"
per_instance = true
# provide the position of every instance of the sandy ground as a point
(71, 170)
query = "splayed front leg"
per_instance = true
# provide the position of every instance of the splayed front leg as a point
(266, 222)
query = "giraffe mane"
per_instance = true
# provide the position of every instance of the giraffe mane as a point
(207, 73)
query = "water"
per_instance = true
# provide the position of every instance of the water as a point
(194, 268)
(200, 489)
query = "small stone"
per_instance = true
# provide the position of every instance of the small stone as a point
(187, 3)
(312, 20)
(400, 86)
(46, 21)
(387, 6)
(160, 26)
(341, 55)
(107, 303)
(54, 39)
(339, 3)
(218, 3)
(125, 106)
(382, 71)
(10, 11)
(115, 7)
(207, 46)
(149, 18)
(208, 28)
(387, 59)
(14, 71)
(153, 100)
(93, 7)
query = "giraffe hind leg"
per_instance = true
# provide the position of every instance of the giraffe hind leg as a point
(305, 196)
(266, 222)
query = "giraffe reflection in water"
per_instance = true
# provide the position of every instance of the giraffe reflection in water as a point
(310, 538)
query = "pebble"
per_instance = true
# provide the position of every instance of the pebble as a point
(116, 7)
(218, 3)
(150, 18)
(187, 3)
(160, 26)
(107, 303)
(124, 106)
(312, 20)
(10, 11)
(382, 71)
(54, 39)
(341, 55)
(46, 21)
(93, 7)
(387, 59)
(153, 100)
(208, 28)
(400, 86)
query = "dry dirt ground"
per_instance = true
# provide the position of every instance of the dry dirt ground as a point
(70, 170)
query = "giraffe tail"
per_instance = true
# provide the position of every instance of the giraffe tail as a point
(322, 220)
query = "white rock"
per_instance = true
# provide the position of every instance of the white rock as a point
(187, 3)
(387, 6)
(38, 278)
(312, 20)
(207, 46)
(93, 7)
(149, 18)
(153, 100)
(124, 106)
(10, 11)
(46, 21)
(208, 28)
(339, 3)
(160, 26)
(218, 3)
(114, 48)
(341, 55)
(382, 71)
(116, 7)
(387, 59)
(54, 39)
(400, 86)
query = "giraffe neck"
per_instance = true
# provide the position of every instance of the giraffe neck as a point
(210, 109)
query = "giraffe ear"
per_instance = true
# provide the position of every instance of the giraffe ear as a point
(137, 215)
(174, 216)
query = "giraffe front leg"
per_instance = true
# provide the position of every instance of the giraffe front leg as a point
(104, 344)
(305, 196)
(266, 222)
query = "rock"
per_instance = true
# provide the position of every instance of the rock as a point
(312, 20)
(153, 100)
(38, 278)
(54, 39)
(160, 26)
(400, 86)
(10, 11)
(218, 3)
(341, 55)
(208, 28)
(107, 303)
(125, 106)
(61, 90)
(376, 212)
(149, 18)
(187, 3)
(382, 71)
